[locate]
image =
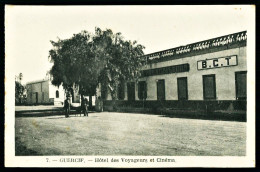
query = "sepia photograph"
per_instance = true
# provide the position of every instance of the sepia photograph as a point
(130, 86)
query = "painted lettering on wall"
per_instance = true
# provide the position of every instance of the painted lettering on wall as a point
(217, 62)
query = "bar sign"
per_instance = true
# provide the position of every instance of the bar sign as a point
(217, 62)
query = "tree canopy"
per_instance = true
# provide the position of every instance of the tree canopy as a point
(86, 59)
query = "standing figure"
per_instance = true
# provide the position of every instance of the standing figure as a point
(84, 107)
(67, 107)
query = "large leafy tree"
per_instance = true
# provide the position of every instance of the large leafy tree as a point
(87, 59)
(123, 61)
(75, 63)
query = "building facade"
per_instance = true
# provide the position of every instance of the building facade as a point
(210, 74)
(43, 92)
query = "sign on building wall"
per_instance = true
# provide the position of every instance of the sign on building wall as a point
(217, 62)
(166, 70)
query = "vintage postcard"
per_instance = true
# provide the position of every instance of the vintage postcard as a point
(130, 86)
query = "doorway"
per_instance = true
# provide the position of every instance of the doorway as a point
(182, 88)
(161, 90)
(36, 97)
(131, 91)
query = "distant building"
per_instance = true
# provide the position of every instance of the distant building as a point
(208, 74)
(43, 92)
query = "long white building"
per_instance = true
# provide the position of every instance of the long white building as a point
(207, 74)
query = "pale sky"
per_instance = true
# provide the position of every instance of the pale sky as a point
(29, 29)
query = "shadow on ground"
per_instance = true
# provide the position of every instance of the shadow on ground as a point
(56, 118)
(240, 117)
(21, 150)
(224, 115)
(45, 114)
(209, 116)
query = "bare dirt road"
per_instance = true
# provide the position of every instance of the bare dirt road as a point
(109, 133)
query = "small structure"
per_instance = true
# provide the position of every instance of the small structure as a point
(43, 92)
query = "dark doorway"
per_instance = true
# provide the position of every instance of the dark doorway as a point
(131, 91)
(182, 88)
(36, 97)
(209, 87)
(241, 85)
(161, 90)
(142, 90)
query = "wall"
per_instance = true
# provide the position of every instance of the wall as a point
(46, 93)
(41, 88)
(52, 93)
(225, 76)
(221, 47)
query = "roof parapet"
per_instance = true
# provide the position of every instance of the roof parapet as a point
(198, 46)
(37, 81)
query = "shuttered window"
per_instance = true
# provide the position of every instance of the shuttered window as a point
(209, 87)
(241, 85)
(142, 90)
(161, 90)
(131, 91)
(182, 88)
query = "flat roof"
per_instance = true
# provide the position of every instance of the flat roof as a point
(226, 41)
(36, 81)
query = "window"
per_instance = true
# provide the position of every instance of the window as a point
(57, 94)
(142, 91)
(121, 91)
(36, 97)
(182, 88)
(161, 90)
(240, 78)
(131, 91)
(209, 87)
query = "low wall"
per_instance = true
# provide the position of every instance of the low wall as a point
(220, 110)
(36, 104)
(192, 105)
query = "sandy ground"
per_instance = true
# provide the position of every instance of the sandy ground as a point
(128, 134)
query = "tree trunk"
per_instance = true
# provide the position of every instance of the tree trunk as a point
(90, 102)
(81, 98)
